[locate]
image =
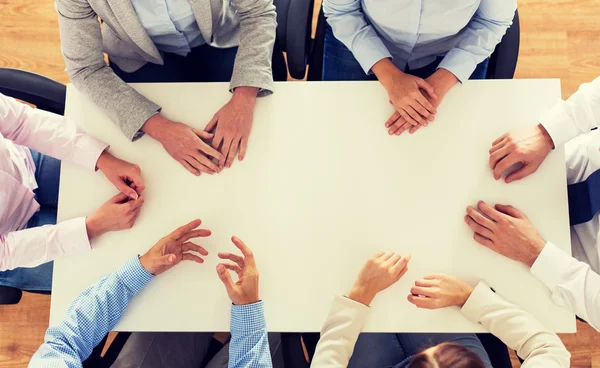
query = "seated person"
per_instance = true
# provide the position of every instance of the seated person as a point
(98, 309)
(418, 50)
(342, 345)
(31, 142)
(172, 41)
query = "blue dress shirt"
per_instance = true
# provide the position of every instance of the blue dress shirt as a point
(171, 24)
(98, 309)
(415, 32)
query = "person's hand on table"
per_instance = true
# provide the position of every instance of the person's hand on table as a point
(174, 248)
(441, 81)
(407, 93)
(232, 124)
(439, 291)
(505, 230)
(185, 144)
(122, 174)
(380, 271)
(528, 146)
(245, 290)
(118, 213)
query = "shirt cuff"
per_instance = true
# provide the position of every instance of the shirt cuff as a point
(76, 235)
(551, 265)
(369, 51)
(247, 318)
(134, 275)
(481, 296)
(460, 63)
(559, 124)
(88, 151)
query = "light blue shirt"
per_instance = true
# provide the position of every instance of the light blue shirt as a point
(171, 24)
(98, 309)
(416, 32)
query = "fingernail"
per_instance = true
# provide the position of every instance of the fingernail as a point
(197, 173)
(425, 124)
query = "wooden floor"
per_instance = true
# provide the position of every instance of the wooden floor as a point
(559, 39)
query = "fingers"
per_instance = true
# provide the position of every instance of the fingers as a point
(202, 163)
(167, 260)
(202, 134)
(136, 204)
(511, 211)
(427, 87)
(483, 240)
(212, 124)
(504, 164)
(407, 117)
(500, 139)
(480, 219)
(478, 229)
(233, 257)
(523, 172)
(427, 283)
(233, 267)
(242, 247)
(119, 198)
(232, 152)
(428, 106)
(191, 247)
(180, 231)
(189, 167)
(401, 127)
(421, 109)
(497, 146)
(243, 147)
(392, 260)
(489, 211)
(126, 189)
(425, 291)
(415, 115)
(227, 141)
(386, 256)
(422, 302)
(377, 255)
(392, 119)
(209, 150)
(200, 233)
(191, 257)
(414, 128)
(401, 265)
(498, 155)
(135, 177)
(225, 277)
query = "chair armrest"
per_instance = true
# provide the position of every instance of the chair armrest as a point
(43, 92)
(503, 61)
(294, 28)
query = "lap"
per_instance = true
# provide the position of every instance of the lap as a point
(377, 350)
(47, 175)
(339, 63)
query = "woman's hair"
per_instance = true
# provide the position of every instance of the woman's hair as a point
(447, 355)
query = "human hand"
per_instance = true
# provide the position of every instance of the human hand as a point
(245, 290)
(528, 146)
(232, 124)
(405, 93)
(118, 213)
(439, 291)
(441, 81)
(124, 175)
(185, 144)
(174, 248)
(505, 230)
(380, 271)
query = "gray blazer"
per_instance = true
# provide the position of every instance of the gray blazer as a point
(249, 24)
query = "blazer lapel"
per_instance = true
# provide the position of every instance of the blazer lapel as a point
(130, 22)
(203, 13)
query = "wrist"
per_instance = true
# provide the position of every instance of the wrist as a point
(155, 126)
(444, 80)
(93, 227)
(546, 138)
(465, 294)
(103, 160)
(384, 70)
(247, 301)
(245, 94)
(537, 247)
(361, 294)
(145, 262)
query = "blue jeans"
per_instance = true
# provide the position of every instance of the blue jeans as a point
(339, 63)
(203, 64)
(389, 350)
(47, 175)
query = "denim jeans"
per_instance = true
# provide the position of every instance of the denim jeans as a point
(339, 63)
(389, 350)
(47, 175)
(203, 64)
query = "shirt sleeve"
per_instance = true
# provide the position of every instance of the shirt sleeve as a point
(249, 346)
(90, 317)
(34, 246)
(577, 115)
(518, 329)
(48, 133)
(350, 27)
(483, 33)
(572, 283)
(339, 333)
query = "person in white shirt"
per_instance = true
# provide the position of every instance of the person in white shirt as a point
(31, 143)
(573, 281)
(515, 327)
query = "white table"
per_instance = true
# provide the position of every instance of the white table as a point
(322, 188)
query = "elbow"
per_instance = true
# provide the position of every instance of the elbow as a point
(259, 9)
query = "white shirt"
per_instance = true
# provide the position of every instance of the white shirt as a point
(575, 283)
(518, 329)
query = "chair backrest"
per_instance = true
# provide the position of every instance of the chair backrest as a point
(45, 93)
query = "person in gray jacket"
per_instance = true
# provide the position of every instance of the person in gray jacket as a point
(172, 41)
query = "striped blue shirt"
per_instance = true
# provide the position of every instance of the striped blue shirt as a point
(98, 309)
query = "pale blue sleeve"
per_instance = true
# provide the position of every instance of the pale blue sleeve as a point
(249, 346)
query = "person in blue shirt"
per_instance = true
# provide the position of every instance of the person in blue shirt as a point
(97, 310)
(417, 49)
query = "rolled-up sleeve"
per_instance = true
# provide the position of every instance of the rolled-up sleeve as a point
(350, 27)
(484, 32)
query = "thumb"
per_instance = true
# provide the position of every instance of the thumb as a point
(119, 198)
(225, 277)
(167, 260)
(126, 189)
(202, 134)
(427, 87)
(524, 171)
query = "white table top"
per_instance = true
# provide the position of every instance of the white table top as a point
(322, 188)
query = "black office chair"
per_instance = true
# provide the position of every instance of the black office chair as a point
(47, 95)
(503, 61)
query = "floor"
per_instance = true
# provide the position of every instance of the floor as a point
(559, 39)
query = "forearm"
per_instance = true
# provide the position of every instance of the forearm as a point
(518, 329)
(252, 67)
(249, 346)
(35, 246)
(575, 116)
(91, 316)
(572, 283)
